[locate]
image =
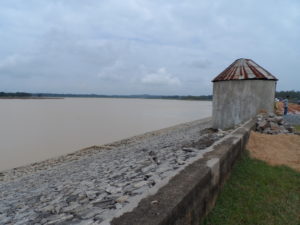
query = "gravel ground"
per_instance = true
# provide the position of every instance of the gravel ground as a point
(293, 119)
(93, 185)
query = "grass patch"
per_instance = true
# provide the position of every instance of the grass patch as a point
(297, 127)
(257, 193)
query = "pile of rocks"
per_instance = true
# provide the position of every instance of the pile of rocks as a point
(269, 123)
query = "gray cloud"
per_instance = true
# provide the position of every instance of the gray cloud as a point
(200, 64)
(120, 47)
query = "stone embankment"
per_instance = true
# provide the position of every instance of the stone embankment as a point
(95, 185)
(269, 123)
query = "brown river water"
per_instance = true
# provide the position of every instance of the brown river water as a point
(37, 129)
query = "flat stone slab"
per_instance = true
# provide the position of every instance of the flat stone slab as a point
(94, 185)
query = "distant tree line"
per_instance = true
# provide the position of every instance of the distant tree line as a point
(144, 96)
(15, 95)
(293, 95)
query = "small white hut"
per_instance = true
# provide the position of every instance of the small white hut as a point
(240, 92)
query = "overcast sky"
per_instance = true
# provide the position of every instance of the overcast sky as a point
(143, 46)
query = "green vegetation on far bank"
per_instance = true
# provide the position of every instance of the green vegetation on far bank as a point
(15, 95)
(51, 95)
(258, 194)
(294, 96)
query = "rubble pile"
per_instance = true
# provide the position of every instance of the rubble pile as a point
(269, 123)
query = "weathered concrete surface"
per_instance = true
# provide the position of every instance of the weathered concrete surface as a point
(237, 101)
(94, 185)
(191, 194)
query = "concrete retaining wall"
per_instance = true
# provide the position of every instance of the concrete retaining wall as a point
(237, 101)
(191, 194)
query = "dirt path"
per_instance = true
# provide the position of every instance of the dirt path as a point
(279, 149)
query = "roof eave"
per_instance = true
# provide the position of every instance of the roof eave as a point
(275, 79)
